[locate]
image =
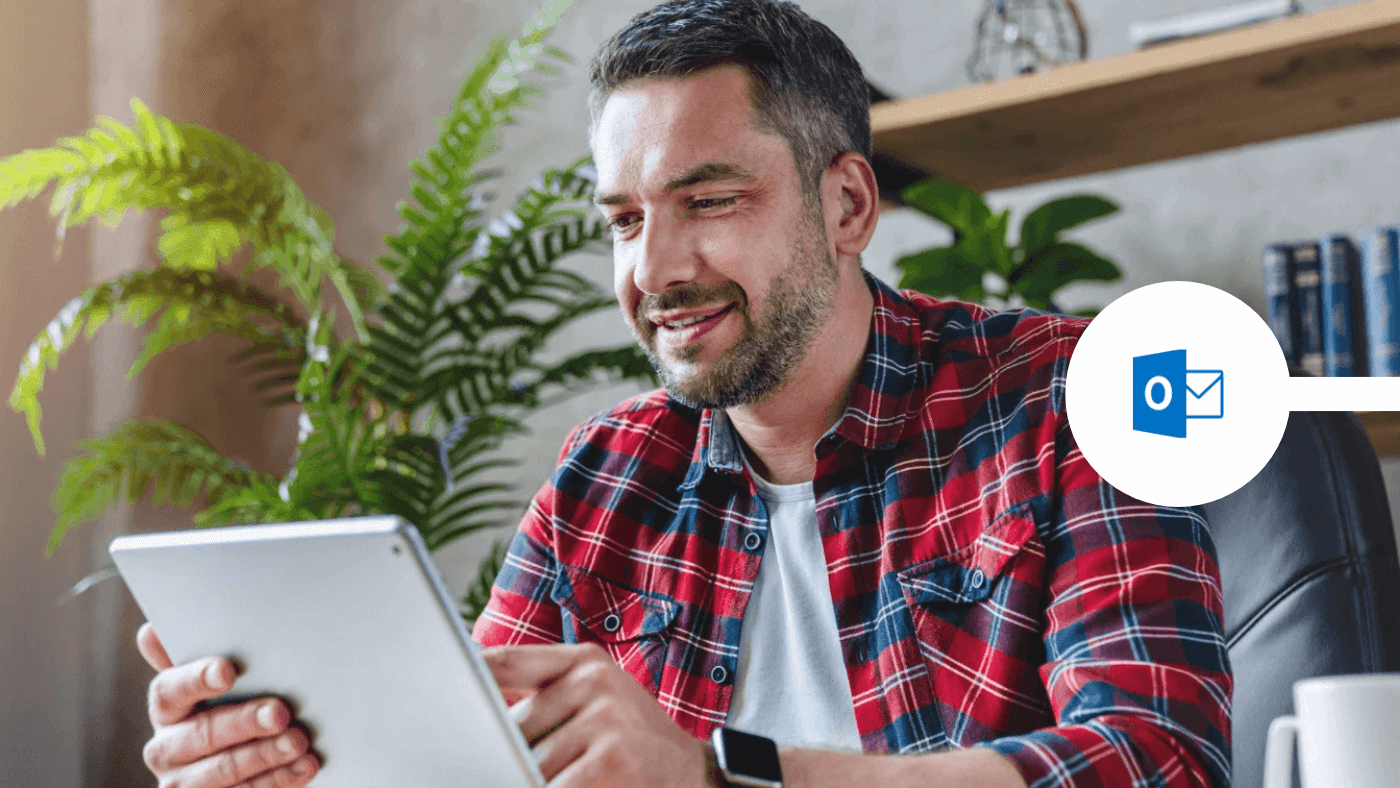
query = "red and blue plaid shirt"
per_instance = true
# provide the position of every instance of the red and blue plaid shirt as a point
(989, 587)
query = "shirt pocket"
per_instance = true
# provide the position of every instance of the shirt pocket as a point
(634, 628)
(977, 618)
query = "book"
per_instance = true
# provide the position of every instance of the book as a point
(1211, 20)
(1380, 286)
(1307, 305)
(1343, 349)
(1278, 298)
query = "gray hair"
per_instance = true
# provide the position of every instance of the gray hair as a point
(806, 88)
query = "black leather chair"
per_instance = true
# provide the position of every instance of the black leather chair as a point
(1310, 574)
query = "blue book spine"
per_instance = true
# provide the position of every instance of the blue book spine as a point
(1380, 284)
(1307, 305)
(1339, 263)
(1278, 298)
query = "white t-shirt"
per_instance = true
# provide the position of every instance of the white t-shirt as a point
(792, 685)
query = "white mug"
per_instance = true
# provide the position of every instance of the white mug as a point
(1348, 734)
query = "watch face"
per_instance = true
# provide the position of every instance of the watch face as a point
(750, 756)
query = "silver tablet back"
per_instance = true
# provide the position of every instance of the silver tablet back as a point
(349, 621)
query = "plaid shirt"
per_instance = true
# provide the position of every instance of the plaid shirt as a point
(989, 587)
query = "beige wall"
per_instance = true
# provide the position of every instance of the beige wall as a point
(343, 94)
(43, 94)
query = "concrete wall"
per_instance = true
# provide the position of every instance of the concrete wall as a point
(344, 93)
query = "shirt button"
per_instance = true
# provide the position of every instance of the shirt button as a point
(753, 541)
(978, 579)
(719, 674)
(612, 623)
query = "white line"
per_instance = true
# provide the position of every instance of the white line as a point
(1342, 393)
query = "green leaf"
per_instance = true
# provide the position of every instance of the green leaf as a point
(176, 465)
(258, 502)
(24, 175)
(1058, 265)
(467, 353)
(362, 286)
(205, 302)
(548, 16)
(960, 207)
(985, 245)
(1042, 227)
(219, 194)
(941, 272)
(341, 433)
(201, 245)
(413, 485)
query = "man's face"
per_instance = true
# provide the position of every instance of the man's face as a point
(721, 268)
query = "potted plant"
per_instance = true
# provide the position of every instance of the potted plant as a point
(400, 417)
(981, 265)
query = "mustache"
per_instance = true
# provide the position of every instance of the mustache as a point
(688, 295)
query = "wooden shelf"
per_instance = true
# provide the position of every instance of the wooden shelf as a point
(1301, 75)
(1281, 79)
(1383, 428)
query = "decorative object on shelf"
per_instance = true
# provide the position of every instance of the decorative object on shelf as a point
(402, 418)
(982, 266)
(1211, 20)
(1016, 37)
(1286, 79)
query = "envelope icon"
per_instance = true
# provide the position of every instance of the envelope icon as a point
(1205, 394)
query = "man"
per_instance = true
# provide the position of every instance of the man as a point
(855, 521)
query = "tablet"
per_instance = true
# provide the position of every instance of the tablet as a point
(351, 623)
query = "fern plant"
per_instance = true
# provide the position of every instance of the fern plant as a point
(405, 416)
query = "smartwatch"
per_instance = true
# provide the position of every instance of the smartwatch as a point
(747, 760)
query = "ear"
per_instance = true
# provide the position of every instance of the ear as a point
(850, 203)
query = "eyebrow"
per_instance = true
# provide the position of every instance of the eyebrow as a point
(709, 172)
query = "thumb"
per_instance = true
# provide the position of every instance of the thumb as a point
(150, 647)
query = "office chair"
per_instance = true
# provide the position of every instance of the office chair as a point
(1310, 574)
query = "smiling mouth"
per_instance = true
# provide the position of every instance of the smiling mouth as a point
(693, 321)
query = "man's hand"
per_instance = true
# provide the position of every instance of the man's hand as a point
(245, 744)
(591, 724)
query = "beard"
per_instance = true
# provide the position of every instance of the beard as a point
(771, 345)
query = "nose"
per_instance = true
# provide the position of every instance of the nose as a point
(664, 258)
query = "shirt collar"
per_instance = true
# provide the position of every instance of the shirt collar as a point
(716, 447)
(882, 401)
(887, 396)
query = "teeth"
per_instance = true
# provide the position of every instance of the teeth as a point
(689, 321)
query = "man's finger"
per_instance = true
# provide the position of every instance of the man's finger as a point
(553, 705)
(585, 769)
(243, 764)
(175, 691)
(293, 775)
(527, 668)
(219, 729)
(151, 648)
(562, 747)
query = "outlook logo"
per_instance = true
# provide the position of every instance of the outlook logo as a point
(1221, 455)
(1166, 393)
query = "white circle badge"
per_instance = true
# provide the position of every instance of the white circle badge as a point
(1176, 394)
